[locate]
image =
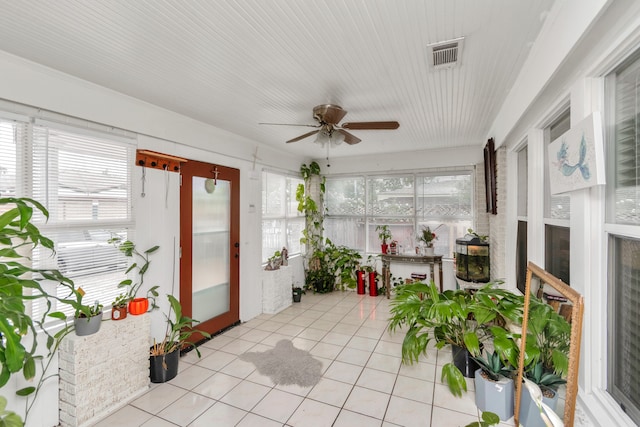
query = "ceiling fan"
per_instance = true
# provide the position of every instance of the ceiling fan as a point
(330, 132)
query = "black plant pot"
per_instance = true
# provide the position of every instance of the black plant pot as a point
(297, 295)
(164, 368)
(462, 360)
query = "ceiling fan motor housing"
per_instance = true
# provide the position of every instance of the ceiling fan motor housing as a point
(328, 114)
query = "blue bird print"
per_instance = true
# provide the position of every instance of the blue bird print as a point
(563, 160)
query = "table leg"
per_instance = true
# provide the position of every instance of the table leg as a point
(386, 273)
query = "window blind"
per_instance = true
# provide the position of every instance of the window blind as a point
(282, 224)
(556, 206)
(624, 348)
(626, 153)
(83, 178)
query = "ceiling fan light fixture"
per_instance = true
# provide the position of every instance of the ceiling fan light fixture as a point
(329, 136)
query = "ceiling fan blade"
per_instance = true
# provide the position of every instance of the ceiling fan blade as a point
(313, 132)
(289, 124)
(371, 125)
(349, 138)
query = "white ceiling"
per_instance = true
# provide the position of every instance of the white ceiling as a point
(233, 64)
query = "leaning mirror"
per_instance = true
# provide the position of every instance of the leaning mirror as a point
(550, 354)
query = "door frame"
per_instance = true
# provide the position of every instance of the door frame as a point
(197, 168)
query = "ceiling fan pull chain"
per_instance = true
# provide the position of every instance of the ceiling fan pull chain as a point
(328, 146)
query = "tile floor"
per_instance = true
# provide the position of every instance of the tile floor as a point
(363, 383)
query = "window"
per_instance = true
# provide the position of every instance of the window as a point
(84, 181)
(345, 200)
(356, 205)
(623, 216)
(555, 206)
(557, 209)
(282, 224)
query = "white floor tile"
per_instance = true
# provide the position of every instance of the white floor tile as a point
(245, 395)
(354, 356)
(447, 418)
(158, 398)
(253, 420)
(383, 362)
(344, 372)
(367, 402)
(220, 414)
(331, 392)
(409, 413)
(414, 389)
(313, 414)
(128, 416)
(377, 380)
(217, 385)
(186, 409)
(191, 377)
(216, 361)
(353, 419)
(278, 405)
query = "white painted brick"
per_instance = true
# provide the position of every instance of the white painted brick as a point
(116, 358)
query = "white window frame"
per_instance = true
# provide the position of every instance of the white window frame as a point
(106, 288)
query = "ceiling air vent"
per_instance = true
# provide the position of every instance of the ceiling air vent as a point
(445, 54)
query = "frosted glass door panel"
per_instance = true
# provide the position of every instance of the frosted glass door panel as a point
(210, 258)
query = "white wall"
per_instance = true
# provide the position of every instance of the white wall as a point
(156, 222)
(606, 34)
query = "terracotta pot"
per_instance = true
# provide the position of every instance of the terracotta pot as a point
(118, 313)
(138, 306)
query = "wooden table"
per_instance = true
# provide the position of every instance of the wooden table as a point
(432, 261)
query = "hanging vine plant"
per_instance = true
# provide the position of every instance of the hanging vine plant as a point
(310, 198)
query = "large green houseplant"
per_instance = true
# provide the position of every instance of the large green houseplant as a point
(458, 318)
(19, 283)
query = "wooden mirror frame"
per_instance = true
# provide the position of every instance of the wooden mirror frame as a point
(577, 301)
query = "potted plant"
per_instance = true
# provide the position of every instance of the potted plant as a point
(493, 382)
(165, 355)
(119, 307)
(427, 237)
(274, 262)
(384, 234)
(546, 359)
(297, 292)
(458, 318)
(88, 318)
(136, 305)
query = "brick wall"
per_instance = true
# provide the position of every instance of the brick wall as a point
(493, 226)
(103, 371)
(276, 289)
(497, 223)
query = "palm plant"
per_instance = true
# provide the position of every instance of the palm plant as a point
(458, 318)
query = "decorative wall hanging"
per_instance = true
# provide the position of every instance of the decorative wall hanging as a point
(576, 158)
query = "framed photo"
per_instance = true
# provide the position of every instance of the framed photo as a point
(490, 177)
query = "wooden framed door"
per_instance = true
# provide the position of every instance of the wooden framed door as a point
(210, 245)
